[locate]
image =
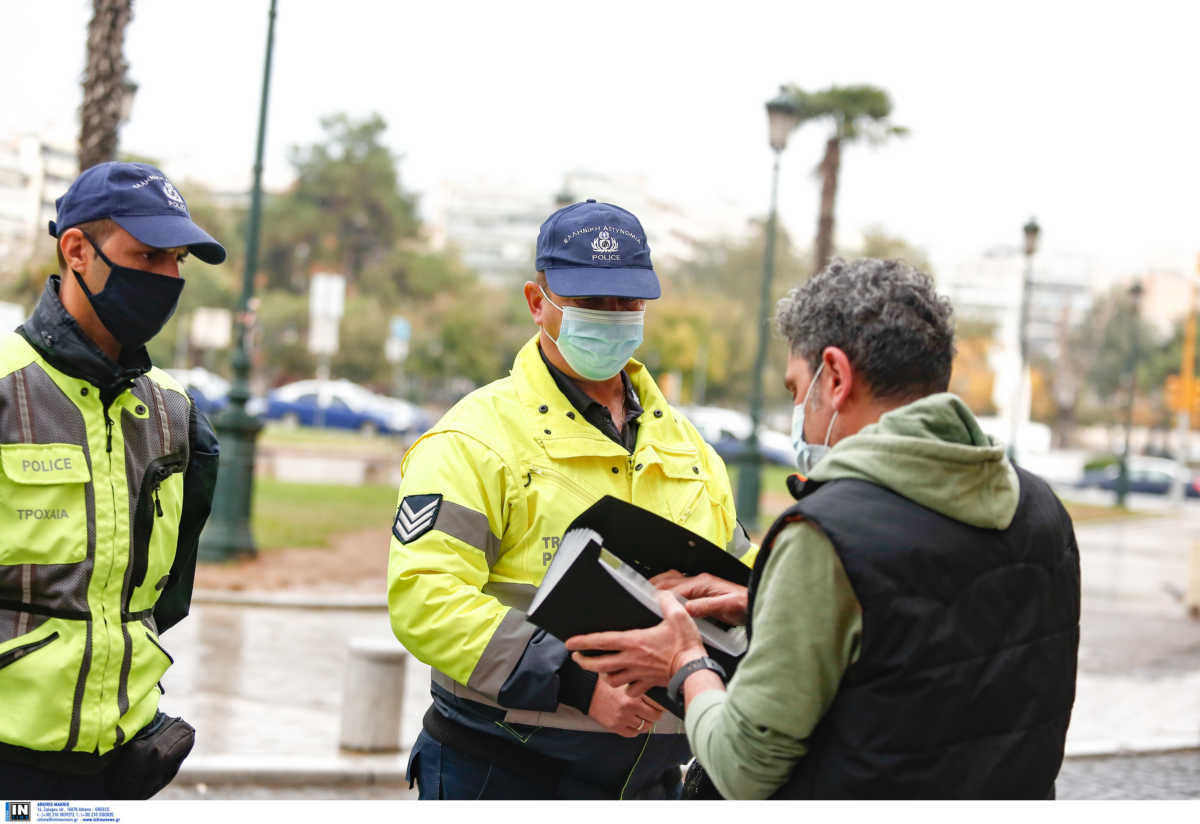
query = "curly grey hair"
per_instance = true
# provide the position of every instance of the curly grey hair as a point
(885, 315)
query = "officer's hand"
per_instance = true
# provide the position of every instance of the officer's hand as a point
(708, 595)
(642, 658)
(620, 712)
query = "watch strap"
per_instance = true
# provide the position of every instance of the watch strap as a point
(681, 674)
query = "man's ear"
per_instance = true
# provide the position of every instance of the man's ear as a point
(840, 376)
(77, 252)
(533, 299)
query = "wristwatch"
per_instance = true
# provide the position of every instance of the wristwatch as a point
(676, 682)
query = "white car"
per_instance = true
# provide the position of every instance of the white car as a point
(727, 431)
(210, 391)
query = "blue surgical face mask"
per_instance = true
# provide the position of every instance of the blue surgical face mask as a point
(597, 344)
(808, 454)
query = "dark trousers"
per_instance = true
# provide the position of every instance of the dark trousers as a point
(441, 772)
(138, 769)
(24, 782)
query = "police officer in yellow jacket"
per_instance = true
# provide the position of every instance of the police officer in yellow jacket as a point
(106, 478)
(487, 493)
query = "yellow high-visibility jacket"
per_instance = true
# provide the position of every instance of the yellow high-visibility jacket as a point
(485, 496)
(97, 541)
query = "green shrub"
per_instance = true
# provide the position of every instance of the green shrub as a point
(1099, 462)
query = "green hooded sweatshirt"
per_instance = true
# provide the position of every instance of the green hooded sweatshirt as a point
(807, 622)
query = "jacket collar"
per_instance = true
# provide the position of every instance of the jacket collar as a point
(536, 389)
(59, 339)
(582, 401)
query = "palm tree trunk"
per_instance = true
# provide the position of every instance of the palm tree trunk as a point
(830, 164)
(104, 83)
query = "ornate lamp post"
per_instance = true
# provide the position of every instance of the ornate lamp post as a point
(1032, 232)
(228, 533)
(783, 116)
(1135, 295)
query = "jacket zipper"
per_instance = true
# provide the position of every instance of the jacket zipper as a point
(149, 508)
(687, 511)
(17, 653)
(565, 482)
(100, 610)
(150, 638)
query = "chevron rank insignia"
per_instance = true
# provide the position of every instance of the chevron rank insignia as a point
(416, 516)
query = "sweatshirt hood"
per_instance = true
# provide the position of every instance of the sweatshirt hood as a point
(932, 452)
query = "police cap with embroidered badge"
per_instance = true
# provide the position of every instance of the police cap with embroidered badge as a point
(139, 199)
(596, 249)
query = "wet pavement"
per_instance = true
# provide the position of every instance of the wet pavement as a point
(263, 685)
(1139, 656)
(1154, 776)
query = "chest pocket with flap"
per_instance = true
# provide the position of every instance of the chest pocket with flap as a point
(43, 503)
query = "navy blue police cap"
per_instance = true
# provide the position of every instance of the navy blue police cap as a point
(139, 199)
(596, 249)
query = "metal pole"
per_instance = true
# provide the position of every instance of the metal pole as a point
(1018, 401)
(1135, 293)
(228, 534)
(749, 482)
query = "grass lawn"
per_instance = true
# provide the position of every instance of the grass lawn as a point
(774, 478)
(773, 496)
(290, 515)
(1082, 513)
(774, 481)
(275, 434)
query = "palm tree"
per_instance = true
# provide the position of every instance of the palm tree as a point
(856, 112)
(105, 87)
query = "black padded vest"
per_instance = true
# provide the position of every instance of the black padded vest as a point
(966, 674)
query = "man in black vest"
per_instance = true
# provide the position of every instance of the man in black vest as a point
(914, 617)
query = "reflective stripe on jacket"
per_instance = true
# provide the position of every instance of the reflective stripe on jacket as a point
(91, 502)
(514, 463)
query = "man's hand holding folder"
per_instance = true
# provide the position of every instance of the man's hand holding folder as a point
(615, 568)
(708, 596)
(622, 709)
(646, 658)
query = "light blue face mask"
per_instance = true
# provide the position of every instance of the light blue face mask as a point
(597, 344)
(808, 454)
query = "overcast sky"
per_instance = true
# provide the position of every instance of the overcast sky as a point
(1086, 115)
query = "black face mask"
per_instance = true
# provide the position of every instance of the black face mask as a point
(134, 304)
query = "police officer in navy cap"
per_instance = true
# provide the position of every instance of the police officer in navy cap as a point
(485, 496)
(107, 472)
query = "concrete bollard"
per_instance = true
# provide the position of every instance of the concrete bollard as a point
(1191, 597)
(373, 695)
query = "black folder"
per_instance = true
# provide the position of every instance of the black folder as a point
(652, 544)
(597, 580)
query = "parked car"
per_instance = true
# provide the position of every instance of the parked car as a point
(404, 417)
(341, 404)
(1147, 475)
(727, 430)
(209, 391)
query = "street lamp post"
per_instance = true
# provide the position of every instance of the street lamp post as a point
(1135, 294)
(782, 118)
(228, 533)
(1032, 232)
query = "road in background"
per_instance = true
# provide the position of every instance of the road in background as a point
(263, 684)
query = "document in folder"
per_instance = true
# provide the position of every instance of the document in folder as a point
(651, 544)
(596, 584)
